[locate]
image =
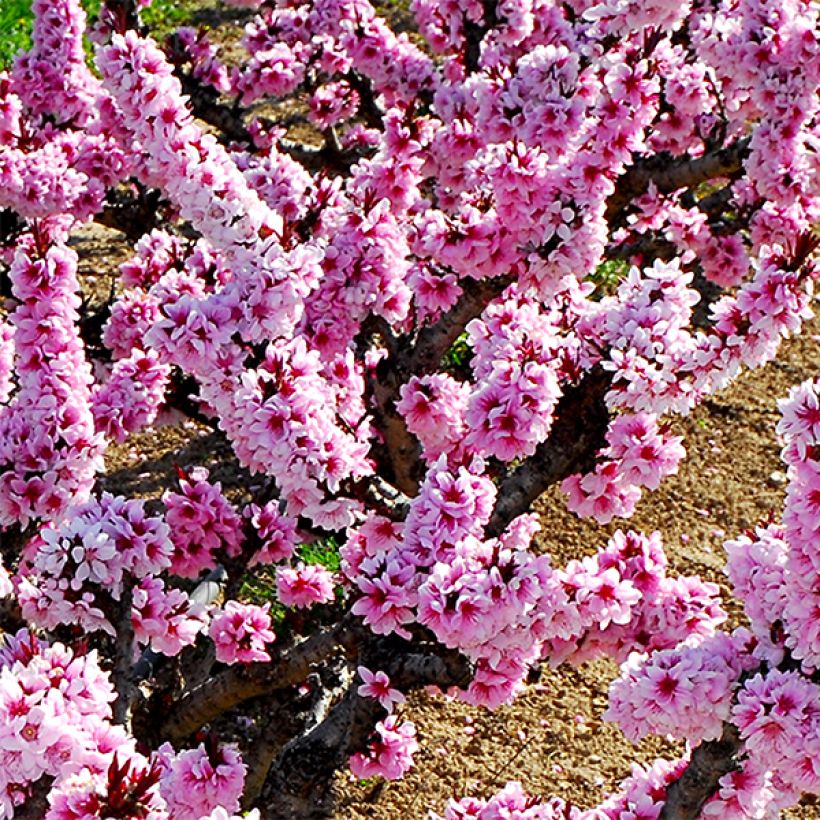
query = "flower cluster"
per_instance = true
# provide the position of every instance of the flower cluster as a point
(685, 692)
(390, 752)
(196, 782)
(640, 454)
(80, 569)
(240, 632)
(49, 448)
(304, 585)
(203, 523)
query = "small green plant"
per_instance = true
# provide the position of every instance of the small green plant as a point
(163, 16)
(16, 17)
(15, 29)
(259, 587)
(608, 275)
(323, 551)
(457, 359)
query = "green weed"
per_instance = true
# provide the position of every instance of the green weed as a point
(15, 29)
(457, 359)
(162, 17)
(324, 551)
(608, 275)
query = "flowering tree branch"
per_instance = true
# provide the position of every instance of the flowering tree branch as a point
(316, 314)
(132, 214)
(577, 434)
(122, 674)
(670, 174)
(710, 761)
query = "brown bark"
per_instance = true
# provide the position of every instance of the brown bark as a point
(673, 173)
(415, 358)
(132, 215)
(122, 676)
(710, 761)
(300, 781)
(231, 687)
(36, 806)
(581, 422)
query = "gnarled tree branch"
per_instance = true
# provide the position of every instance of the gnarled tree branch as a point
(581, 422)
(299, 781)
(132, 215)
(710, 761)
(231, 687)
(672, 173)
(415, 358)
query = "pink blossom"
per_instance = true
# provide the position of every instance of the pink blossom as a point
(240, 633)
(377, 685)
(197, 781)
(390, 753)
(304, 585)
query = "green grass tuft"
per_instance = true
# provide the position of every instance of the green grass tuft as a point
(456, 361)
(608, 276)
(324, 551)
(162, 17)
(15, 29)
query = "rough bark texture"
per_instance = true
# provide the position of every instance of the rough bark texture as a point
(579, 431)
(415, 358)
(672, 173)
(710, 761)
(300, 782)
(11, 616)
(222, 692)
(424, 356)
(122, 674)
(132, 215)
(36, 806)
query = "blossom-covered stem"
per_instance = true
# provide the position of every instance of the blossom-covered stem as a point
(298, 781)
(403, 450)
(37, 804)
(132, 214)
(578, 433)
(434, 341)
(204, 100)
(710, 761)
(669, 174)
(420, 357)
(206, 592)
